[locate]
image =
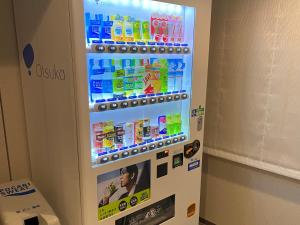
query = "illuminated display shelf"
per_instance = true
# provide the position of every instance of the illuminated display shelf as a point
(124, 36)
(135, 101)
(145, 147)
(139, 47)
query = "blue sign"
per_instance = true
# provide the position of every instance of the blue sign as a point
(17, 190)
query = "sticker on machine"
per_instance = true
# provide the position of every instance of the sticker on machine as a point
(198, 111)
(122, 189)
(154, 214)
(194, 165)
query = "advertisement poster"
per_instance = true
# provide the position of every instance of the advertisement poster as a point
(154, 214)
(122, 189)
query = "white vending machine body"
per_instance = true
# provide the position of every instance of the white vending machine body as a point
(78, 159)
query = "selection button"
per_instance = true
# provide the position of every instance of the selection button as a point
(125, 154)
(100, 48)
(102, 107)
(112, 49)
(115, 157)
(104, 160)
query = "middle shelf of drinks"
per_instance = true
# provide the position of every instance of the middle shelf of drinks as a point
(130, 81)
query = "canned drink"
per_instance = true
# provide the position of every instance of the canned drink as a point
(138, 131)
(154, 131)
(129, 134)
(146, 129)
(119, 135)
(109, 134)
(98, 135)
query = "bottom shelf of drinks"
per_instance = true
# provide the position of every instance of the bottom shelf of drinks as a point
(112, 141)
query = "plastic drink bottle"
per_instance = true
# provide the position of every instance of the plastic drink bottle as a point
(145, 31)
(93, 27)
(117, 28)
(118, 77)
(162, 125)
(128, 29)
(106, 30)
(164, 74)
(170, 124)
(177, 123)
(137, 30)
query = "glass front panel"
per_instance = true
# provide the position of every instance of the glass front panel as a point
(139, 58)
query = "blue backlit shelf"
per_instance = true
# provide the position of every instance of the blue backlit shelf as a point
(136, 101)
(150, 145)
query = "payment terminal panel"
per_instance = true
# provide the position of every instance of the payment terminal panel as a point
(114, 94)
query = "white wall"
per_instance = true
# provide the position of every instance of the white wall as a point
(253, 107)
(253, 110)
(233, 194)
(12, 100)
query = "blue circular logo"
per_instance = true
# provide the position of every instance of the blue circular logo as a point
(28, 56)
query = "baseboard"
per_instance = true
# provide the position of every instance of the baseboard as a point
(206, 222)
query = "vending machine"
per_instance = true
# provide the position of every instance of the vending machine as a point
(114, 95)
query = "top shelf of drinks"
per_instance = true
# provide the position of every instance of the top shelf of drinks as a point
(161, 29)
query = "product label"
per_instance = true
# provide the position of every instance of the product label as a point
(118, 85)
(118, 30)
(129, 83)
(98, 71)
(101, 86)
(119, 73)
